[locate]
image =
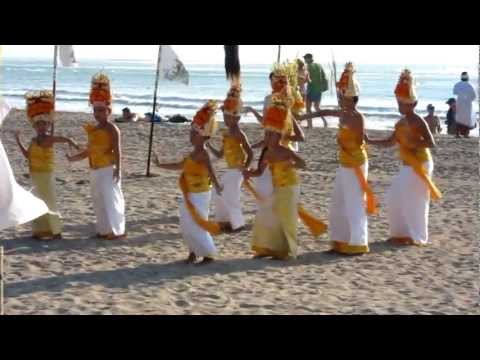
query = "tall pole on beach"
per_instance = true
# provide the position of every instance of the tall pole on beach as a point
(54, 85)
(152, 121)
(279, 53)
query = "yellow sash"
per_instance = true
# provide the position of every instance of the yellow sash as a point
(200, 176)
(315, 226)
(353, 155)
(100, 147)
(234, 153)
(415, 157)
(41, 159)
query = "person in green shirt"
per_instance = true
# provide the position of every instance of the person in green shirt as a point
(317, 85)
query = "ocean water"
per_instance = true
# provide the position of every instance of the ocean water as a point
(133, 85)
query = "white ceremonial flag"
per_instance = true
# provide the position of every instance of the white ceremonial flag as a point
(67, 55)
(171, 68)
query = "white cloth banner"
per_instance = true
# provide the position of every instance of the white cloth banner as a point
(17, 206)
(4, 110)
(171, 68)
(67, 55)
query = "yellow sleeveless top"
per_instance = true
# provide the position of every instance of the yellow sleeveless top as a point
(233, 150)
(283, 174)
(100, 147)
(403, 133)
(196, 176)
(351, 153)
(285, 142)
(41, 159)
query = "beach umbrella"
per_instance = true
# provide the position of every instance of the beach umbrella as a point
(171, 68)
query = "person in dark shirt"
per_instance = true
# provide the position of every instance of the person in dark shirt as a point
(451, 125)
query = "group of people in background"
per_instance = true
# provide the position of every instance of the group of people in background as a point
(275, 180)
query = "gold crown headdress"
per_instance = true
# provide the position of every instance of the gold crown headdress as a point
(204, 121)
(100, 89)
(348, 85)
(40, 106)
(405, 89)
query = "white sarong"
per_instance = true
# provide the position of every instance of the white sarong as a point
(17, 206)
(348, 220)
(108, 202)
(228, 207)
(197, 240)
(408, 203)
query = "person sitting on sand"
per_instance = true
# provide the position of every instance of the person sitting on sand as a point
(41, 160)
(127, 116)
(432, 120)
(104, 155)
(450, 122)
(408, 199)
(275, 229)
(196, 183)
(238, 155)
(352, 197)
(13, 197)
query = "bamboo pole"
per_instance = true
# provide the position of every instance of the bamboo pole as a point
(152, 123)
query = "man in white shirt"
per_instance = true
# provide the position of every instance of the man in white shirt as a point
(465, 119)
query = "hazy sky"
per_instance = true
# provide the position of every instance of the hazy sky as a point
(266, 54)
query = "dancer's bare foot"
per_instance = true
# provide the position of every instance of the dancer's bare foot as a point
(260, 256)
(191, 258)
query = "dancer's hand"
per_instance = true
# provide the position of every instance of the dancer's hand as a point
(246, 174)
(219, 189)
(116, 175)
(74, 144)
(155, 160)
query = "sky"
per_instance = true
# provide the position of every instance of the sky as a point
(467, 55)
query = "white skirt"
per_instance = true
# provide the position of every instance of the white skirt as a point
(108, 202)
(228, 207)
(198, 241)
(348, 221)
(408, 203)
(17, 206)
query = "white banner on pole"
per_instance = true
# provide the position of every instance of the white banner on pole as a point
(67, 55)
(171, 68)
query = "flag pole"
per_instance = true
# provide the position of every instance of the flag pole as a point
(152, 121)
(54, 85)
(279, 53)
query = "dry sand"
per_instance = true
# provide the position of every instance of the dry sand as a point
(145, 275)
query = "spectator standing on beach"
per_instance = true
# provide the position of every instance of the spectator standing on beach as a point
(451, 124)
(465, 96)
(302, 79)
(432, 120)
(317, 85)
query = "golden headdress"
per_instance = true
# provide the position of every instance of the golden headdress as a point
(348, 85)
(100, 89)
(405, 89)
(278, 114)
(204, 121)
(233, 104)
(40, 106)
